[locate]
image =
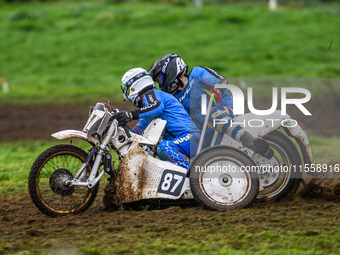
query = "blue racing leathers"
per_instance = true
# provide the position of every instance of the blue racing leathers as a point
(176, 144)
(202, 80)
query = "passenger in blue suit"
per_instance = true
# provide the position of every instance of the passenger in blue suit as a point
(171, 73)
(138, 87)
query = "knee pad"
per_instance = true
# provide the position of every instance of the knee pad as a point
(164, 149)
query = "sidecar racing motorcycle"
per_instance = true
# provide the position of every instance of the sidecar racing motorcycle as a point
(64, 179)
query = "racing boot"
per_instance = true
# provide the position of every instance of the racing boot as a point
(257, 145)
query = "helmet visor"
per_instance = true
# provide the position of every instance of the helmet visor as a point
(125, 90)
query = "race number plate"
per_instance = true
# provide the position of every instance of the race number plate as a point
(171, 183)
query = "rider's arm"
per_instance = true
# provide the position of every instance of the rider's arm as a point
(151, 107)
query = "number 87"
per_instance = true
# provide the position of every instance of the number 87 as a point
(167, 182)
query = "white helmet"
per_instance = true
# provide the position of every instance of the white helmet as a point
(136, 82)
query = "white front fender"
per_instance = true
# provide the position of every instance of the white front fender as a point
(67, 134)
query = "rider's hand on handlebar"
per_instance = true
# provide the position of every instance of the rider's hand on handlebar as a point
(123, 117)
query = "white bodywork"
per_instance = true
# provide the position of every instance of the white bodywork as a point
(141, 176)
(272, 122)
(269, 126)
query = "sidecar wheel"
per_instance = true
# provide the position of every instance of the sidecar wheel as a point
(279, 183)
(218, 182)
(46, 181)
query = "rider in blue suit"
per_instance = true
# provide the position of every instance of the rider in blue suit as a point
(138, 87)
(170, 72)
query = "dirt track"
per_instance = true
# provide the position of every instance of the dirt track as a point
(24, 228)
(40, 121)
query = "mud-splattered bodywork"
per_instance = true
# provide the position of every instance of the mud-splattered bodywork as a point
(139, 176)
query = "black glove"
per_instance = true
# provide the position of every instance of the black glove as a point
(123, 117)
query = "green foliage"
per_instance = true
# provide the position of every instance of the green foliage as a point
(325, 150)
(73, 51)
(16, 159)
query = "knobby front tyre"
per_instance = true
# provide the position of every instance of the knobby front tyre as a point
(46, 181)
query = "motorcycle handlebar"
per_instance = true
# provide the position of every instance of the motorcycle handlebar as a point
(125, 127)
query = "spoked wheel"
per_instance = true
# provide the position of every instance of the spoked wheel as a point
(48, 181)
(219, 182)
(278, 177)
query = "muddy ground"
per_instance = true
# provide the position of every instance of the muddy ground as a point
(294, 224)
(291, 225)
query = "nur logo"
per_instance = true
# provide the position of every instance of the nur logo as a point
(238, 99)
(204, 97)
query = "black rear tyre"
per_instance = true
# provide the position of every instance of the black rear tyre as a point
(46, 181)
(225, 186)
(279, 184)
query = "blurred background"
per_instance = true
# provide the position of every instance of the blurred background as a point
(57, 58)
(77, 51)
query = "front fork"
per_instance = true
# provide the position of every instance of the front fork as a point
(100, 150)
(93, 178)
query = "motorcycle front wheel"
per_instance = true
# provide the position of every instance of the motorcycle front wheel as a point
(49, 175)
(221, 179)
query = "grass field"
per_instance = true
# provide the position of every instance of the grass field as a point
(74, 51)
